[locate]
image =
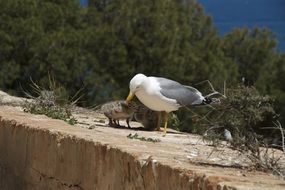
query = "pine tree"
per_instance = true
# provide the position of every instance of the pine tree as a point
(250, 50)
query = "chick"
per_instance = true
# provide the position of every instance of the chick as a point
(148, 118)
(117, 110)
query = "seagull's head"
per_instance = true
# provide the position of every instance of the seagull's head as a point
(136, 84)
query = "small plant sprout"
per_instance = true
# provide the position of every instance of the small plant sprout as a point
(136, 136)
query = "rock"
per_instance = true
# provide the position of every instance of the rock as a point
(6, 99)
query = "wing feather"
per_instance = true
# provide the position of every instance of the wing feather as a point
(184, 95)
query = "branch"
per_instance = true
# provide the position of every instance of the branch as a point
(214, 92)
(278, 124)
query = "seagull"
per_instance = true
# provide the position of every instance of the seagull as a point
(164, 95)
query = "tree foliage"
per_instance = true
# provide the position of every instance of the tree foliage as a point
(259, 63)
(250, 51)
(102, 46)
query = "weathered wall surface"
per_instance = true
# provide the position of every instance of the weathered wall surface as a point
(38, 153)
(32, 158)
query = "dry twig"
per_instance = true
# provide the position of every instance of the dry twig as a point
(278, 124)
(214, 92)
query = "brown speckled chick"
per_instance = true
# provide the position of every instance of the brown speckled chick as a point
(148, 118)
(117, 110)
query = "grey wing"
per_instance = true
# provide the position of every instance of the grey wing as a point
(184, 95)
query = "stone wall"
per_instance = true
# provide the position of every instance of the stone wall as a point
(38, 153)
(32, 158)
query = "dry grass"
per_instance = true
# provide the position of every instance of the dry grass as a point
(52, 101)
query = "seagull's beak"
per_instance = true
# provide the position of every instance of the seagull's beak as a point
(130, 97)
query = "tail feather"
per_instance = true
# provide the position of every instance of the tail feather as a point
(209, 100)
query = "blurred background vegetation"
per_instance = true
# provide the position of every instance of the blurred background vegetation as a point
(101, 47)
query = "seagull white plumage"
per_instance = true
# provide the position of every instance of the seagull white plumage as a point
(165, 95)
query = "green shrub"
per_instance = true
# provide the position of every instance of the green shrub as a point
(245, 113)
(251, 120)
(54, 102)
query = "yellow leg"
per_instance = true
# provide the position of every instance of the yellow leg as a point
(165, 122)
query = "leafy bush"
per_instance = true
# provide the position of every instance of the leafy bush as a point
(247, 117)
(53, 102)
(245, 113)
